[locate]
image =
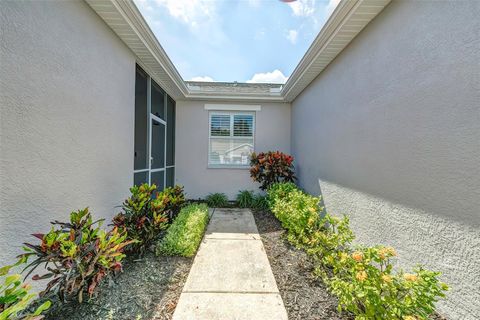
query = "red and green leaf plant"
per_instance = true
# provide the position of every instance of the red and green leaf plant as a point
(77, 255)
(145, 216)
(16, 298)
(172, 199)
(271, 167)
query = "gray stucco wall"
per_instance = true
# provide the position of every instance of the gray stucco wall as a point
(67, 114)
(272, 132)
(389, 133)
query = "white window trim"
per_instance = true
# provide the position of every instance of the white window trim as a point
(232, 107)
(231, 114)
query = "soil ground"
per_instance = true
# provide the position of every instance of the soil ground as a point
(147, 289)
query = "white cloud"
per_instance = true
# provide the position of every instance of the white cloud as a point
(332, 4)
(276, 76)
(302, 8)
(202, 79)
(191, 12)
(292, 36)
(200, 16)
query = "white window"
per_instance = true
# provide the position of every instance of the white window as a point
(231, 138)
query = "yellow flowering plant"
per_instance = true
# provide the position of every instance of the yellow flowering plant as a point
(362, 278)
(366, 285)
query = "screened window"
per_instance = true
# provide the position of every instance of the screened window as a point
(231, 139)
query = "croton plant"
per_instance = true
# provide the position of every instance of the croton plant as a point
(77, 255)
(271, 167)
(147, 212)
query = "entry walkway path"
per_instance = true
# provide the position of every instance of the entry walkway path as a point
(231, 278)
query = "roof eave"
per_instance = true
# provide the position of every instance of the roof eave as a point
(346, 22)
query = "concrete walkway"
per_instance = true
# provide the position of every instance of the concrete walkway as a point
(231, 278)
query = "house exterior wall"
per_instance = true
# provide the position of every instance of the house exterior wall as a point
(389, 133)
(272, 132)
(67, 86)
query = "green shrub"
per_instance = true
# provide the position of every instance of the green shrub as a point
(362, 279)
(298, 212)
(77, 254)
(366, 285)
(184, 235)
(279, 191)
(16, 299)
(260, 202)
(217, 200)
(245, 199)
(271, 167)
(145, 216)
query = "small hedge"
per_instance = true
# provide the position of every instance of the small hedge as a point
(361, 277)
(184, 235)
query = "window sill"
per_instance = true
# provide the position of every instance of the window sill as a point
(228, 166)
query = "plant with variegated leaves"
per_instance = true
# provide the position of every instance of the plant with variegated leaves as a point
(271, 167)
(77, 255)
(146, 213)
(16, 298)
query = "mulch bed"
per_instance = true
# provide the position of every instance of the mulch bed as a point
(304, 297)
(147, 289)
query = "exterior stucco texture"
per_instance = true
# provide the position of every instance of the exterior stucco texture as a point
(389, 133)
(272, 132)
(67, 113)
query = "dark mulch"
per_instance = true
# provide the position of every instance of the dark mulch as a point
(304, 297)
(147, 289)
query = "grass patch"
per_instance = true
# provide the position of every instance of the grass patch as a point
(184, 235)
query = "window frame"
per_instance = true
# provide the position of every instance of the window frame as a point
(232, 115)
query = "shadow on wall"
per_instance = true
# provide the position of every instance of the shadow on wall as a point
(420, 237)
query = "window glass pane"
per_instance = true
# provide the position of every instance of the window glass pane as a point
(158, 145)
(141, 121)
(156, 178)
(140, 178)
(170, 132)
(230, 151)
(219, 125)
(243, 125)
(170, 177)
(158, 101)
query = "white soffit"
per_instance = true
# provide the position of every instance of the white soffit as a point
(123, 17)
(233, 107)
(347, 20)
